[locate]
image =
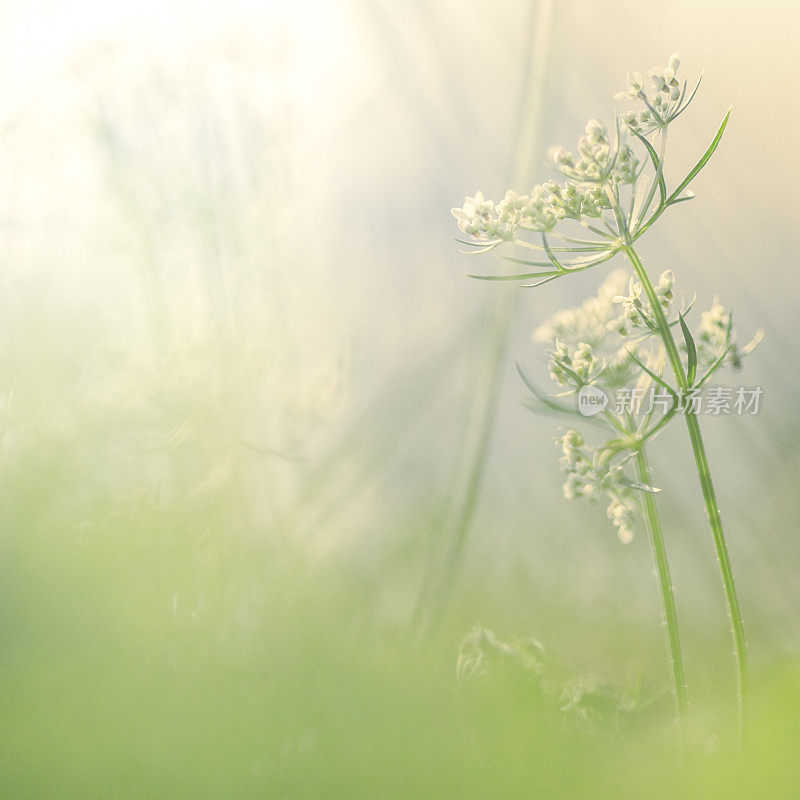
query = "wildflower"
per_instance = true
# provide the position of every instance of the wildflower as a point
(478, 217)
(632, 305)
(560, 358)
(527, 211)
(538, 215)
(574, 365)
(587, 322)
(590, 479)
(637, 312)
(575, 201)
(664, 98)
(596, 162)
(584, 361)
(593, 341)
(621, 512)
(635, 83)
(715, 334)
(488, 221)
(663, 288)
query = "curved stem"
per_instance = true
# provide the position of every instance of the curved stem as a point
(706, 485)
(668, 611)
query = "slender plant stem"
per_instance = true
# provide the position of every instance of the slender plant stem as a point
(734, 611)
(706, 484)
(668, 612)
(470, 471)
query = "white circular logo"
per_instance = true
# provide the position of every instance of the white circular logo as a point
(591, 400)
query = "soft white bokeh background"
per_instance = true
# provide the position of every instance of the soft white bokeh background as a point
(283, 172)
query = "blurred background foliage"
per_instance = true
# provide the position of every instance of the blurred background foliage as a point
(264, 469)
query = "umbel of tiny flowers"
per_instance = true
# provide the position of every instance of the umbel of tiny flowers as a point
(610, 342)
(596, 162)
(610, 192)
(602, 340)
(592, 477)
(603, 343)
(661, 100)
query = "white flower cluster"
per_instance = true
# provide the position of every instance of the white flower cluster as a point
(568, 362)
(663, 98)
(714, 334)
(489, 221)
(589, 321)
(596, 162)
(582, 196)
(594, 340)
(575, 201)
(592, 479)
(636, 311)
(622, 512)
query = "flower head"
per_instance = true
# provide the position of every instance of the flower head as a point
(596, 161)
(494, 222)
(594, 341)
(478, 217)
(663, 98)
(591, 478)
(715, 335)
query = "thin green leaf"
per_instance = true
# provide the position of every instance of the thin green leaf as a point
(599, 247)
(538, 408)
(580, 266)
(714, 366)
(574, 375)
(703, 160)
(690, 305)
(493, 243)
(673, 198)
(691, 351)
(525, 262)
(550, 255)
(485, 249)
(543, 398)
(683, 106)
(523, 277)
(662, 422)
(549, 405)
(657, 165)
(543, 282)
(659, 380)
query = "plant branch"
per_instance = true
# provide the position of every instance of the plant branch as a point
(667, 595)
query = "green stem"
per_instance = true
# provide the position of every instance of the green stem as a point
(706, 484)
(734, 611)
(668, 612)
